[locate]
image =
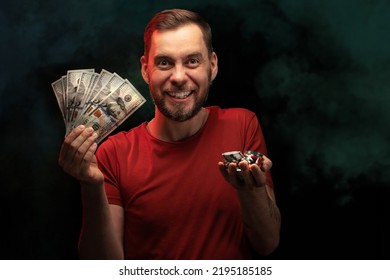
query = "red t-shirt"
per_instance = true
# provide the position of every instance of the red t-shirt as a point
(177, 204)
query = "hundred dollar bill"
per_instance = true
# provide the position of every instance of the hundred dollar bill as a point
(90, 87)
(102, 100)
(105, 116)
(73, 78)
(113, 84)
(64, 96)
(100, 82)
(82, 89)
(58, 88)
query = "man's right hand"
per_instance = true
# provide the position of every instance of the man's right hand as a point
(77, 156)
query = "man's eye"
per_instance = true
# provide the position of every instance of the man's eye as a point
(193, 62)
(163, 63)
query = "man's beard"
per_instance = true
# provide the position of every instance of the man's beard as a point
(179, 113)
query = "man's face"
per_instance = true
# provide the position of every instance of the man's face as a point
(179, 71)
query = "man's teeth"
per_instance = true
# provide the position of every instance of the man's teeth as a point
(179, 95)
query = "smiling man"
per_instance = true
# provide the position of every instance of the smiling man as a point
(179, 70)
(160, 190)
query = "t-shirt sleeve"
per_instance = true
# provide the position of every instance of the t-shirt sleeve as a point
(108, 164)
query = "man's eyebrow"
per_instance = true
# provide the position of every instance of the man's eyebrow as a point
(191, 55)
(160, 56)
(195, 54)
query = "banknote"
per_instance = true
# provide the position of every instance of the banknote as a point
(100, 100)
(73, 79)
(100, 82)
(111, 111)
(82, 89)
(58, 88)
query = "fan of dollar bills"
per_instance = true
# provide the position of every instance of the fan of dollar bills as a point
(101, 100)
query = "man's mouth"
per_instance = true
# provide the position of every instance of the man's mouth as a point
(179, 94)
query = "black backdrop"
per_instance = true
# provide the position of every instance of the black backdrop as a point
(315, 72)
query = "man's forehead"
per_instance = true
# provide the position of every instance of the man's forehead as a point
(184, 28)
(186, 38)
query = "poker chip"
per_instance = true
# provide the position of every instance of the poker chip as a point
(252, 157)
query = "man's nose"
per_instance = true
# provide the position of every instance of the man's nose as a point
(178, 75)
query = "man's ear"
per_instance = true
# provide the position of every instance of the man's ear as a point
(214, 65)
(144, 68)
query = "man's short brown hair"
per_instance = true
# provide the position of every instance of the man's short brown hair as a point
(175, 18)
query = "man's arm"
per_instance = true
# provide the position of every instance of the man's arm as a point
(102, 232)
(260, 214)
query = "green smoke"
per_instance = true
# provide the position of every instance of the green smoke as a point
(324, 85)
(316, 72)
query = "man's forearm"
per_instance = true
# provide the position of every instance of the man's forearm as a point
(98, 239)
(261, 218)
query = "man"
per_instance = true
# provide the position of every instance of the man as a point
(155, 192)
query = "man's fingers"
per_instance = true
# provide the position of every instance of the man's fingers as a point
(64, 153)
(266, 164)
(258, 175)
(246, 175)
(251, 175)
(88, 151)
(76, 154)
(222, 169)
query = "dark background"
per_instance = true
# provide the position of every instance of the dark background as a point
(317, 73)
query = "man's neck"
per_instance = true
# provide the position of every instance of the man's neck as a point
(171, 131)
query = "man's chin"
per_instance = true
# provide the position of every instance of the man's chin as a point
(180, 116)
